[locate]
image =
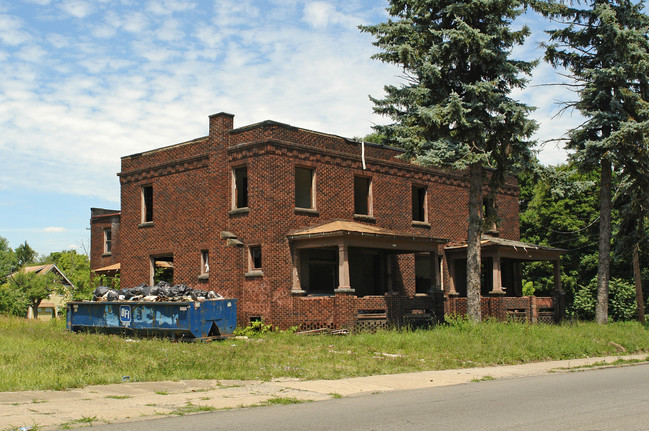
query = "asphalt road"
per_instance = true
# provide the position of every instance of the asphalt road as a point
(599, 399)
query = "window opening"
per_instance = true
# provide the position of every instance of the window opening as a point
(419, 203)
(422, 273)
(147, 204)
(304, 188)
(163, 269)
(205, 263)
(240, 187)
(255, 257)
(362, 195)
(490, 214)
(107, 240)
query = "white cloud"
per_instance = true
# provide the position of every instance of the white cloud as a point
(135, 23)
(77, 8)
(169, 31)
(11, 31)
(54, 229)
(167, 7)
(32, 54)
(241, 13)
(320, 15)
(104, 31)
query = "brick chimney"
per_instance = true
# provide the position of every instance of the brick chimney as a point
(220, 124)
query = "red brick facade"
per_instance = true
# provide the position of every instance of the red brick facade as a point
(192, 186)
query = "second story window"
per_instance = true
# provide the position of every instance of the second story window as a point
(304, 186)
(240, 187)
(205, 262)
(362, 196)
(255, 258)
(108, 236)
(419, 203)
(147, 204)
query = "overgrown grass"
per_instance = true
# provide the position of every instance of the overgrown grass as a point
(42, 355)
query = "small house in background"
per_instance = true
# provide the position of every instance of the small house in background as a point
(312, 230)
(50, 307)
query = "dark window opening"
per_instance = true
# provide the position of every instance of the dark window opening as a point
(362, 196)
(490, 214)
(418, 203)
(240, 192)
(422, 273)
(108, 234)
(255, 257)
(320, 270)
(205, 262)
(147, 204)
(163, 269)
(304, 188)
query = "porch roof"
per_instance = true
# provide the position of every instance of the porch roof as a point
(362, 235)
(110, 268)
(509, 248)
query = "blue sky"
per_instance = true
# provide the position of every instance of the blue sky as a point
(86, 82)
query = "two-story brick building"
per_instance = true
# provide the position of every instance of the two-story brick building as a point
(308, 229)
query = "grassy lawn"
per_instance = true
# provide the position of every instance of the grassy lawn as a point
(43, 355)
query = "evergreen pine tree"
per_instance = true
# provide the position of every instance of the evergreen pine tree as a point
(454, 108)
(605, 48)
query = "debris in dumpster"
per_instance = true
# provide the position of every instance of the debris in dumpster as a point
(161, 292)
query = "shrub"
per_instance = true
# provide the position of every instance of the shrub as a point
(621, 300)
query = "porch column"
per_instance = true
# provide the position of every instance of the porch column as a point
(497, 288)
(297, 285)
(343, 269)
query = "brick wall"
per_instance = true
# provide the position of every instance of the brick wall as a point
(100, 220)
(192, 197)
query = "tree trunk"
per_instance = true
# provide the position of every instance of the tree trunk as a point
(473, 243)
(601, 310)
(638, 283)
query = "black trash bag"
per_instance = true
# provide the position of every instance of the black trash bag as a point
(137, 290)
(154, 290)
(126, 293)
(112, 295)
(100, 291)
(164, 291)
(163, 284)
(146, 290)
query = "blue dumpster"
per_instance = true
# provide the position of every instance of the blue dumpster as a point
(214, 318)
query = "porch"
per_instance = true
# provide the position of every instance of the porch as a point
(348, 274)
(502, 287)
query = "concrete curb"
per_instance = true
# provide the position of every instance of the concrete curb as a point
(138, 401)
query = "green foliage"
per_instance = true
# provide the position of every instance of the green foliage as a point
(8, 260)
(528, 288)
(76, 268)
(622, 303)
(560, 209)
(25, 254)
(33, 287)
(253, 329)
(12, 301)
